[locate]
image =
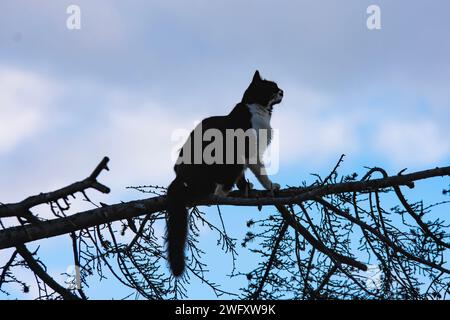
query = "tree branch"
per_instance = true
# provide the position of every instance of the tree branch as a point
(13, 236)
(22, 208)
(316, 243)
(383, 238)
(6, 268)
(40, 272)
(281, 234)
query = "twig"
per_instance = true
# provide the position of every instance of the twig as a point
(269, 264)
(6, 268)
(21, 209)
(317, 243)
(12, 236)
(40, 272)
(386, 240)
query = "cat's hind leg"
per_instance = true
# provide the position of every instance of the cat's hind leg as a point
(244, 185)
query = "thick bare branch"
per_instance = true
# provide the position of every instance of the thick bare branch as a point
(13, 236)
(21, 209)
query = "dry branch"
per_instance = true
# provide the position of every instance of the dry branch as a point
(41, 273)
(397, 252)
(14, 236)
(22, 208)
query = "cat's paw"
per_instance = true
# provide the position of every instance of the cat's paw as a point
(274, 187)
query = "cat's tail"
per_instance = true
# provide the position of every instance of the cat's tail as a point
(177, 225)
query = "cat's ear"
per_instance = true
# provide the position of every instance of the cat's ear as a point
(256, 76)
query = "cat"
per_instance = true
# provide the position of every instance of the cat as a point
(196, 179)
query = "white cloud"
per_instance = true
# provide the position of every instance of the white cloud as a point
(313, 139)
(310, 130)
(132, 130)
(412, 143)
(25, 99)
(139, 143)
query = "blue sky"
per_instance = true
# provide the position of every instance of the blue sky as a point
(139, 70)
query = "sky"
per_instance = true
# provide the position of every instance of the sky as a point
(137, 71)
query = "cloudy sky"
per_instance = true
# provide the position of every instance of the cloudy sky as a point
(137, 71)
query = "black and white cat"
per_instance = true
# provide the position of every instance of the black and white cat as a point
(196, 179)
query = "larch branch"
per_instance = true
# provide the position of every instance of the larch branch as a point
(14, 236)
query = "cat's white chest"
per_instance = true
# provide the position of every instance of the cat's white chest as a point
(260, 121)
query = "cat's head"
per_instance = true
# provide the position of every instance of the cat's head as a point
(263, 92)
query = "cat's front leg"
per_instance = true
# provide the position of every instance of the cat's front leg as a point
(260, 172)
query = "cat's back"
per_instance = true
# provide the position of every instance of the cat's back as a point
(239, 118)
